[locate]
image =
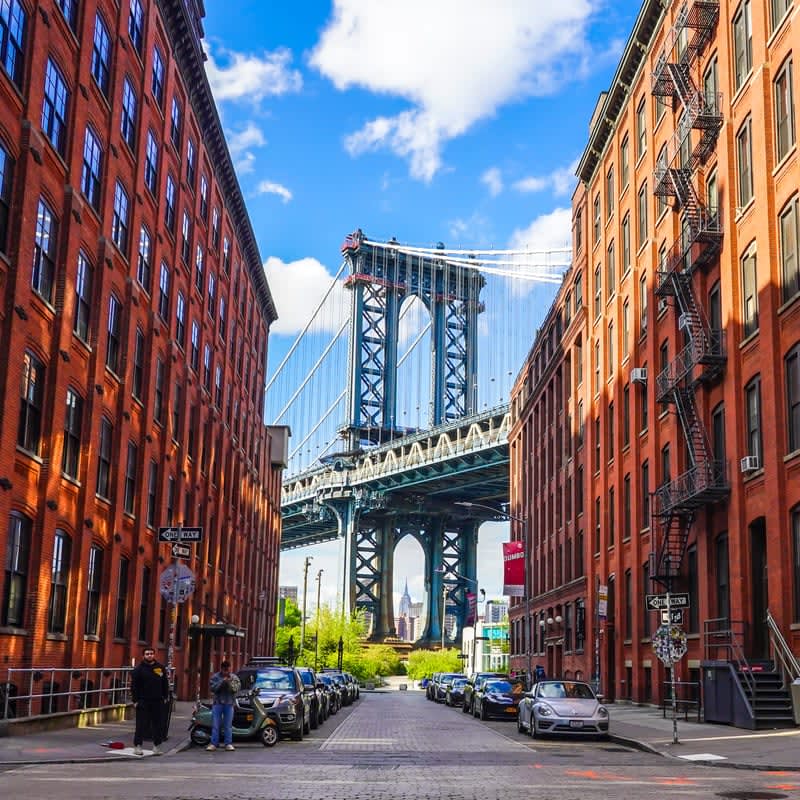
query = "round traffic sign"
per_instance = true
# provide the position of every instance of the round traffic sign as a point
(669, 644)
(177, 583)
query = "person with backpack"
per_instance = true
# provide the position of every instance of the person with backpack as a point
(225, 685)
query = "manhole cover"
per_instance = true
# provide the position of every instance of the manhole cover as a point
(753, 794)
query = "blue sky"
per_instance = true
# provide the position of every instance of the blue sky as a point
(429, 120)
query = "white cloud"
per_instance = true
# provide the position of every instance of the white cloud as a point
(531, 184)
(493, 180)
(241, 144)
(298, 287)
(251, 78)
(551, 231)
(491, 54)
(561, 181)
(270, 187)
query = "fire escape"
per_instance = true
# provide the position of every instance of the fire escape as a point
(701, 361)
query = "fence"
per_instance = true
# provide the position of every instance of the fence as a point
(35, 691)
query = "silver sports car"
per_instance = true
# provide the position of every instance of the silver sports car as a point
(564, 707)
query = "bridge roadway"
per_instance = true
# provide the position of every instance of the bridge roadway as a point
(397, 746)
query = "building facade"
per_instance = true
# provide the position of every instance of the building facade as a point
(677, 376)
(135, 316)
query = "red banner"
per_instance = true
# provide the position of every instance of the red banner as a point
(472, 609)
(513, 569)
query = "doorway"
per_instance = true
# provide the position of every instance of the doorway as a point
(759, 636)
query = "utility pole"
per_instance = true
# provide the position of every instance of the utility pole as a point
(309, 559)
(316, 637)
(444, 609)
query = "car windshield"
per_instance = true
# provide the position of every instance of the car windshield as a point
(306, 675)
(274, 679)
(560, 690)
(499, 687)
(459, 681)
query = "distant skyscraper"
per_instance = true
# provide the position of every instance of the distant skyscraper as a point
(289, 592)
(496, 612)
(405, 602)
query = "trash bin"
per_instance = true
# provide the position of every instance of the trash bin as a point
(795, 687)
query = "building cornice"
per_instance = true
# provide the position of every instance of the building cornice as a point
(189, 55)
(632, 57)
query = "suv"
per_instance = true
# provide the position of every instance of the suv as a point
(344, 685)
(315, 696)
(474, 683)
(281, 690)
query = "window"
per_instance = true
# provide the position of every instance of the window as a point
(13, 20)
(721, 574)
(143, 261)
(211, 305)
(136, 25)
(114, 330)
(610, 355)
(83, 298)
(624, 163)
(92, 166)
(73, 424)
(191, 163)
(611, 270)
(226, 255)
(218, 387)
(742, 44)
(128, 115)
(792, 371)
(195, 346)
(119, 219)
(715, 308)
(609, 193)
(645, 521)
(718, 435)
(151, 163)
(16, 579)
(641, 130)
(796, 562)
(207, 368)
(580, 624)
(176, 123)
(138, 365)
(744, 161)
(581, 424)
(6, 178)
(784, 111)
(222, 311)
(790, 271)
(101, 54)
(752, 398)
(578, 231)
(169, 205)
(693, 581)
(645, 590)
(597, 367)
(778, 10)
(597, 444)
(626, 243)
(54, 107)
(158, 400)
(198, 273)
(641, 231)
(44, 252)
(31, 404)
(598, 292)
(626, 415)
(163, 292)
(186, 238)
(750, 292)
(94, 583)
(130, 478)
(215, 228)
(204, 197)
(643, 305)
(144, 605)
(59, 583)
(104, 459)
(626, 507)
(157, 82)
(612, 533)
(666, 469)
(597, 518)
(644, 410)
(176, 412)
(180, 321)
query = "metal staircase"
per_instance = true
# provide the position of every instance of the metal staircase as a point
(702, 359)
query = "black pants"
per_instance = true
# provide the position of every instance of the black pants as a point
(149, 721)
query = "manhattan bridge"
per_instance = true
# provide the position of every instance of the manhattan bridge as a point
(396, 393)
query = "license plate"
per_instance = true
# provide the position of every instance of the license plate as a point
(511, 710)
(576, 723)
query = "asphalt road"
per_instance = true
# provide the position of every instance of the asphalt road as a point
(400, 746)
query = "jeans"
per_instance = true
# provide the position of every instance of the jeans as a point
(222, 714)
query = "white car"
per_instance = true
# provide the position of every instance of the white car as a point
(563, 707)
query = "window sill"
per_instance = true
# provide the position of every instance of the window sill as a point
(91, 637)
(10, 630)
(743, 211)
(31, 455)
(751, 476)
(57, 637)
(792, 301)
(749, 339)
(69, 479)
(792, 151)
(795, 454)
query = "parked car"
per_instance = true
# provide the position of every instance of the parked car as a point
(473, 683)
(355, 689)
(332, 690)
(281, 691)
(442, 685)
(430, 687)
(316, 697)
(454, 696)
(343, 684)
(497, 697)
(568, 707)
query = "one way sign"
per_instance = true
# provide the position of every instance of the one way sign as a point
(657, 602)
(180, 534)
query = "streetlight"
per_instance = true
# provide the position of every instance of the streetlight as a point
(307, 564)
(441, 569)
(444, 607)
(316, 638)
(523, 521)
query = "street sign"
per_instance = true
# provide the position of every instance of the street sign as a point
(181, 550)
(602, 601)
(180, 534)
(674, 617)
(177, 583)
(657, 602)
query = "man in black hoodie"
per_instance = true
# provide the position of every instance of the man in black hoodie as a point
(150, 693)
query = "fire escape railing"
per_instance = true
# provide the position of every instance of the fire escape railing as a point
(702, 359)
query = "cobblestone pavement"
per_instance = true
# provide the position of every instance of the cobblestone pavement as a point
(398, 746)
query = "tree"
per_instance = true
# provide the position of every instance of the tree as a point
(423, 663)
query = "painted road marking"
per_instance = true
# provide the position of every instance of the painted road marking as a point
(704, 757)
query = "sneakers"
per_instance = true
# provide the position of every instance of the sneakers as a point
(137, 750)
(229, 747)
(156, 750)
(211, 747)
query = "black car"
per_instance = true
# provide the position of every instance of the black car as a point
(281, 690)
(332, 691)
(497, 697)
(474, 683)
(355, 689)
(343, 684)
(430, 688)
(315, 696)
(443, 683)
(454, 696)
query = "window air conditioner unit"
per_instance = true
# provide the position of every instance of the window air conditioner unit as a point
(639, 375)
(749, 464)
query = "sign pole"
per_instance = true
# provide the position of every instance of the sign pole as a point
(173, 622)
(672, 678)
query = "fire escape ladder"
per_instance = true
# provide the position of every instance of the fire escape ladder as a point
(665, 564)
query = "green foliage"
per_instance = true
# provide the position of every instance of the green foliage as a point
(422, 663)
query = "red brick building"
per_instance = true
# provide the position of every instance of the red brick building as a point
(674, 384)
(134, 317)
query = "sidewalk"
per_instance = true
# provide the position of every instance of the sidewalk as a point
(79, 745)
(719, 745)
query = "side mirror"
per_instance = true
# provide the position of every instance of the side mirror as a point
(600, 697)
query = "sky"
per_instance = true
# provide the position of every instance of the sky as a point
(459, 121)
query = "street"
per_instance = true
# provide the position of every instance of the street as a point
(398, 745)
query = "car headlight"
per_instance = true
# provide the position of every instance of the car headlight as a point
(602, 711)
(544, 710)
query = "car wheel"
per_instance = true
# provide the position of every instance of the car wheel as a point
(520, 727)
(484, 714)
(307, 725)
(532, 728)
(464, 707)
(297, 736)
(269, 736)
(313, 719)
